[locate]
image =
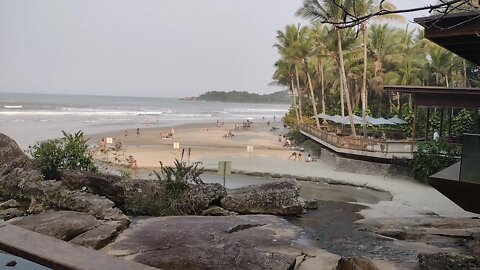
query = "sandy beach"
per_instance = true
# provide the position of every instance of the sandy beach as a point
(207, 144)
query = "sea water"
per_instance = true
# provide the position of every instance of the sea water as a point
(32, 117)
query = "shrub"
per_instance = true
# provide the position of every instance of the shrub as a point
(432, 157)
(69, 152)
(176, 179)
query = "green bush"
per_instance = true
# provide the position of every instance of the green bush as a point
(432, 157)
(69, 152)
(177, 180)
(462, 123)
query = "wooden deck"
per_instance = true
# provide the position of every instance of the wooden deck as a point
(57, 254)
(361, 147)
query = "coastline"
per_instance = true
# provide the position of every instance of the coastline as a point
(270, 159)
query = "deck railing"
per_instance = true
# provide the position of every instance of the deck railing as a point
(362, 144)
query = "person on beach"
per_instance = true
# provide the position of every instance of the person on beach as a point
(300, 156)
(294, 155)
(126, 134)
(138, 132)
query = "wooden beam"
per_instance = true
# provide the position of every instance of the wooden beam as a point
(57, 254)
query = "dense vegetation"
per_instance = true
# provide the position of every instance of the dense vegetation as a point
(343, 71)
(69, 152)
(237, 96)
(432, 157)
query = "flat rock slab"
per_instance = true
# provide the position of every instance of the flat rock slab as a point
(100, 236)
(195, 242)
(63, 225)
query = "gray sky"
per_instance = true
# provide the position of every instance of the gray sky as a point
(164, 48)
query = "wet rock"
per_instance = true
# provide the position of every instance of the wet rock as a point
(196, 242)
(9, 204)
(11, 263)
(63, 225)
(100, 236)
(217, 211)
(356, 264)
(10, 213)
(447, 261)
(277, 198)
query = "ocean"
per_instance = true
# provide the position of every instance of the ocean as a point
(28, 118)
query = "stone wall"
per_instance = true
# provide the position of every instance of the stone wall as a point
(361, 166)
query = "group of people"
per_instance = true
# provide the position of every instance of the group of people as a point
(298, 156)
(228, 134)
(168, 134)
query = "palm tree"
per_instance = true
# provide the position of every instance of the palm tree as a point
(286, 45)
(304, 50)
(319, 33)
(316, 11)
(284, 74)
(362, 8)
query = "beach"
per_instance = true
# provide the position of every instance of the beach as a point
(269, 157)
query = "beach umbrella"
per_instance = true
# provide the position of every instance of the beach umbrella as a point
(356, 120)
(383, 121)
(379, 121)
(323, 116)
(336, 118)
(397, 120)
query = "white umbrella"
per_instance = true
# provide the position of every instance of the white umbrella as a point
(336, 118)
(356, 120)
(323, 116)
(397, 120)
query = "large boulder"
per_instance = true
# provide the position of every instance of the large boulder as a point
(63, 225)
(9, 149)
(140, 196)
(277, 198)
(233, 242)
(108, 186)
(447, 261)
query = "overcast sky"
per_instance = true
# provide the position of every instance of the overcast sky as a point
(162, 48)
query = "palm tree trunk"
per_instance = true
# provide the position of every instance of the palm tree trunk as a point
(292, 88)
(299, 95)
(322, 82)
(364, 85)
(342, 101)
(312, 95)
(347, 94)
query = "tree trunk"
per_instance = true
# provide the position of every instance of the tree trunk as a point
(322, 82)
(347, 94)
(364, 84)
(312, 95)
(292, 88)
(342, 101)
(300, 113)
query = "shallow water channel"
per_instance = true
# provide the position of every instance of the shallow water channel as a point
(332, 226)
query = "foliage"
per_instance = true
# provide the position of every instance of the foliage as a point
(296, 135)
(69, 152)
(462, 123)
(176, 179)
(242, 96)
(431, 157)
(290, 119)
